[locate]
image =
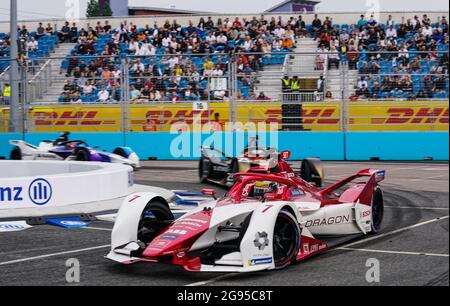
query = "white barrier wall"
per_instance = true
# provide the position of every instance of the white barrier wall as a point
(31, 184)
(141, 21)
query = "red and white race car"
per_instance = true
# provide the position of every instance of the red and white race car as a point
(269, 219)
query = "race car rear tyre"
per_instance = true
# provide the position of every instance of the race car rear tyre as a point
(16, 154)
(286, 239)
(312, 171)
(154, 219)
(120, 152)
(82, 155)
(201, 171)
(377, 210)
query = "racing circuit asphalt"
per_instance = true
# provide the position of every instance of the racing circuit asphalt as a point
(412, 248)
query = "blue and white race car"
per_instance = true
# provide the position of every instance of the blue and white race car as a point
(64, 149)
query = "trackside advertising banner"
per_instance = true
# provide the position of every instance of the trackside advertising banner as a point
(323, 116)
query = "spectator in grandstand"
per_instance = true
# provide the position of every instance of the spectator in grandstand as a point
(363, 91)
(103, 95)
(64, 98)
(49, 29)
(32, 44)
(64, 34)
(6, 94)
(362, 22)
(429, 86)
(421, 94)
(316, 27)
(333, 58)
(440, 84)
(352, 57)
(329, 96)
(4, 49)
(390, 21)
(321, 57)
(262, 97)
(285, 84)
(73, 33)
(320, 84)
(40, 31)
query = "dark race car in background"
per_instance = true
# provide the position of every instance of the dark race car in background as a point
(215, 166)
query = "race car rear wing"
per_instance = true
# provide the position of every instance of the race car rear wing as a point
(364, 193)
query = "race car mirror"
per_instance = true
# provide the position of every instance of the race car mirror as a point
(286, 154)
(210, 192)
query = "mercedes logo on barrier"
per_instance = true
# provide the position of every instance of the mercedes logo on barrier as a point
(40, 191)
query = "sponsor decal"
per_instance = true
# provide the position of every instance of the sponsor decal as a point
(169, 237)
(328, 221)
(177, 231)
(261, 240)
(260, 261)
(73, 222)
(365, 213)
(267, 208)
(13, 226)
(133, 198)
(39, 192)
(130, 179)
(306, 248)
(11, 194)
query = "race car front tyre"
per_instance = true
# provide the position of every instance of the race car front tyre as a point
(82, 155)
(286, 239)
(377, 210)
(16, 154)
(120, 152)
(154, 219)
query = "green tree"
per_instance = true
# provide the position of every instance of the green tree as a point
(93, 9)
(107, 10)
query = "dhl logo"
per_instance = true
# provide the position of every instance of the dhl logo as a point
(405, 115)
(310, 116)
(168, 117)
(43, 118)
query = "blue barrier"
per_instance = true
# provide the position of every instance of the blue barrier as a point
(325, 145)
(5, 147)
(396, 145)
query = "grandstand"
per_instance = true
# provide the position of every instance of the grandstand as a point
(392, 59)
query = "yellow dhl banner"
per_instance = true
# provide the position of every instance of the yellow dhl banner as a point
(362, 116)
(398, 116)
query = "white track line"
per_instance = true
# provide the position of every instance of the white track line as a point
(394, 232)
(53, 255)
(418, 207)
(98, 228)
(393, 252)
(429, 178)
(212, 280)
(344, 247)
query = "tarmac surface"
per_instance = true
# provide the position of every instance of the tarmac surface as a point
(412, 248)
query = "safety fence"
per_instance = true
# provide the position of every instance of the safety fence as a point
(216, 116)
(298, 91)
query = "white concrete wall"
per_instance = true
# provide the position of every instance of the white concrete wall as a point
(339, 18)
(65, 183)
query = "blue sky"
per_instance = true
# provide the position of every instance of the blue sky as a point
(45, 9)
